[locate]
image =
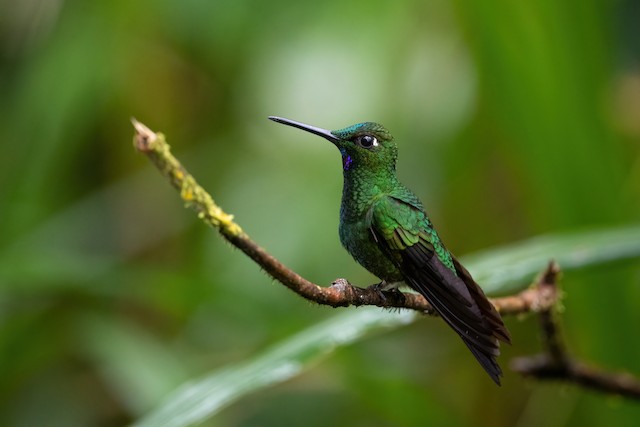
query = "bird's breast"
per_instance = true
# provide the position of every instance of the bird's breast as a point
(357, 239)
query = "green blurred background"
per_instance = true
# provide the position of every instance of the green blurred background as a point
(513, 119)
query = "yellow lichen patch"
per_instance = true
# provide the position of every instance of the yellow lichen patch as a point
(186, 194)
(224, 220)
(230, 226)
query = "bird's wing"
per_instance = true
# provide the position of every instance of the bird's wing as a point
(404, 233)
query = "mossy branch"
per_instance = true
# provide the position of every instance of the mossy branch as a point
(341, 293)
(541, 297)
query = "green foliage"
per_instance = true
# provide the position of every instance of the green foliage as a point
(513, 120)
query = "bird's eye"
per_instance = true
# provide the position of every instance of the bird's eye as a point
(367, 141)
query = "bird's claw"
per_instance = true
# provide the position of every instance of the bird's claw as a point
(387, 292)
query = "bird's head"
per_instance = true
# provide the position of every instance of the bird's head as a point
(364, 145)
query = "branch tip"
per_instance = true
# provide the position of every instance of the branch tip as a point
(144, 137)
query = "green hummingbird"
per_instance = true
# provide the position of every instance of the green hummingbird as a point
(384, 226)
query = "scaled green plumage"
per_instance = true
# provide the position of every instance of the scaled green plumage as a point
(385, 228)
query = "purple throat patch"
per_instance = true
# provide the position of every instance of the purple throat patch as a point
(346, 162)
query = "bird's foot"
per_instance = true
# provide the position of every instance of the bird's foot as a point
(388, 291)
(385, 286)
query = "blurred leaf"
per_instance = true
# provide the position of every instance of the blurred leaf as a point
(203, 397)
(502, 268)
(505, 268)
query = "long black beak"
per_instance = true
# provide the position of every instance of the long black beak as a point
(312, 129)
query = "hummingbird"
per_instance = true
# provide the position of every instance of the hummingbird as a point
(385, 228)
